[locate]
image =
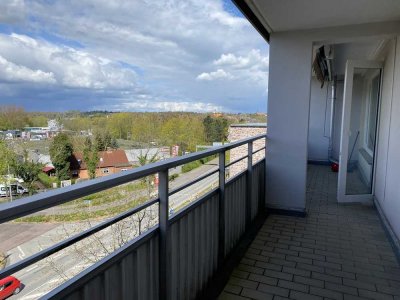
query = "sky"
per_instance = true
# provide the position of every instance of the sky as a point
(131, 55)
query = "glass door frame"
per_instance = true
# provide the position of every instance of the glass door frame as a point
(345, 130)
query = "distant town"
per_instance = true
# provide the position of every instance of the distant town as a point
(41, 151)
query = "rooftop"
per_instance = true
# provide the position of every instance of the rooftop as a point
(249, 125)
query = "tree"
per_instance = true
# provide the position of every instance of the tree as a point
(119, 125)
(216, 129)
(28, 171)
(61, 150)
(145, 159)
(12, 117)
(103, 141)
(7, 158)
(91, 158)
(187, 131)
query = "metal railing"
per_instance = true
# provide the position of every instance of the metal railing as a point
(202, 233)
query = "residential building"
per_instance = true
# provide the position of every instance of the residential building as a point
(110, 162)
(237, 132)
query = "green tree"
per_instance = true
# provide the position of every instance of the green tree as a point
(12, 117)
(215, 129)
(61, 150)
(104, 140)
(145, 159)
(7, 158)
(38, 121)
(119, 125)
(28, 171)
(186, 131)
(91, 158)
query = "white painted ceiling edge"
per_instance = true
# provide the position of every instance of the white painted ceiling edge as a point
(290, 15)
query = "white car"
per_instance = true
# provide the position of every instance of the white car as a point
(16, 189)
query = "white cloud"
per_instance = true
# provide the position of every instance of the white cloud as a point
(150, 105)
(251, 68)
(28, 59)
(15, 73)
(166, 49)
(219, 74)
(251, 60)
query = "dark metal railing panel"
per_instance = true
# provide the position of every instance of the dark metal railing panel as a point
(91, 283)
(258, 186)
(173, 260)
(72, 240)
(193, 250)
(235, 210)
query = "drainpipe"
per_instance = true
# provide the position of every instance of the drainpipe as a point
(331, 126)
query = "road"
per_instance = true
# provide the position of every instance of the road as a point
(43, 276)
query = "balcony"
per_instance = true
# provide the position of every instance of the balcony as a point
(337, 251)
(180, 253)
(224, 239)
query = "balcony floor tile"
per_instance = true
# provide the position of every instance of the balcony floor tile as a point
(335, 252)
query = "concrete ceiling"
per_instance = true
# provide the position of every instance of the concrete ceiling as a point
(359, 51)
(285, 15)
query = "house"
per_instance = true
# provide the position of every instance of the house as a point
(110, 162)
(49, 170)
(287, 227)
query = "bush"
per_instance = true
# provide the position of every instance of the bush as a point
(197, 163)
(173, 177)
(190, 166)
(46, 180)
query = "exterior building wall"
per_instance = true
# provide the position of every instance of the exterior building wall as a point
(387, 188)
(239, 132)
(320, 110)
(84, 174)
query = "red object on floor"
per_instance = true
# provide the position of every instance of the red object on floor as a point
(335, 167)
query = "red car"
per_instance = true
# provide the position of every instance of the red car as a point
(9, 286)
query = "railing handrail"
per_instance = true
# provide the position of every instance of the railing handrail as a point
(12, 210)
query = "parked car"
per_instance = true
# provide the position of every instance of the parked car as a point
(9, 286)
(16, 189)
(3, 191)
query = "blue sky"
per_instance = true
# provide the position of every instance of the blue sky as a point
(123, 55)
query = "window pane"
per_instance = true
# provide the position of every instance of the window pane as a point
(373, 113)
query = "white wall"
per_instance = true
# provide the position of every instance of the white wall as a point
(319, 131)
(289, 106)
(288, 110)
(337, 120)
(387, 183)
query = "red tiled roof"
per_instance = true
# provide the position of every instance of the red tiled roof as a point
(111, 158)
(47, 169)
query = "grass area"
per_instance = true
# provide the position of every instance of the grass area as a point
(110, 195)
(82, 215)
(197, 163)
(83, 208)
